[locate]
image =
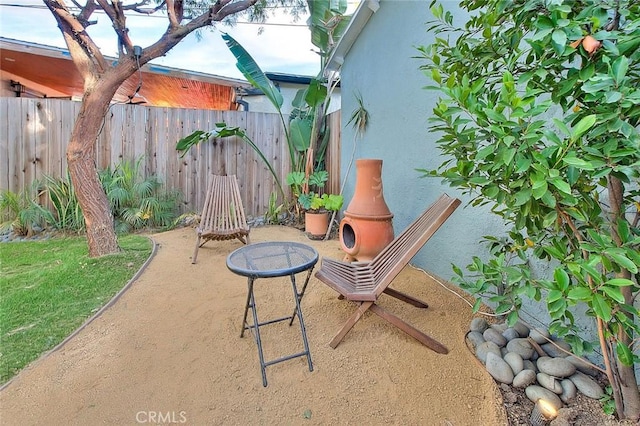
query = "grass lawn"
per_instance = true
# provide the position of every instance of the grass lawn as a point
(49, 288)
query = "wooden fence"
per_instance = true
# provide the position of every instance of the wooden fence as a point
(34, 134)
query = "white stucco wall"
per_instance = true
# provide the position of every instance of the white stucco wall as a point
(260, 103)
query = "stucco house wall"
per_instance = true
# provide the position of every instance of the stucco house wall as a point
(382, 68)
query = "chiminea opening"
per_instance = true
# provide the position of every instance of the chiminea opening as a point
(348, 236)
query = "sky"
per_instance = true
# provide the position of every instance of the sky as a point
(282, 46)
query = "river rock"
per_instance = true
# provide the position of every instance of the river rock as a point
(535, 392)
(484, 348)
(548, 382)
(521, 328)
(499, 369)
(587, 386)
(475, 337)
(499, 327)
(558, 367)
(552, 348)
(515, 361)
(569, 391)
(525, 378)
(510, 334)
(540, 335)
(479, 325)
(522, 347)
(581, 365)
(493, 335)
(529, 365)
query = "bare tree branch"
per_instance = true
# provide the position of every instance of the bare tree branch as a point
(174, 19)
(83, 50)
(85, 12)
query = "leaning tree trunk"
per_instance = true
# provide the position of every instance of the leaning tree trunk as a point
(626, 373)
(101, 236)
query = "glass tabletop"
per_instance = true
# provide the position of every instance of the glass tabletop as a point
(272, 259)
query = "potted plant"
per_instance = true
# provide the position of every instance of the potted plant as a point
(300, 184)
(315, 206)
(316, 211)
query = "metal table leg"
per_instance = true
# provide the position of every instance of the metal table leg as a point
(297, 297)
(251, 303)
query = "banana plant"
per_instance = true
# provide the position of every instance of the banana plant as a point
(327, 22)
(222, 130)
(254, 75)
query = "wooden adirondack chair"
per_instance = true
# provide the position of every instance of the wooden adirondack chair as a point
(223, 214)
(365, 282)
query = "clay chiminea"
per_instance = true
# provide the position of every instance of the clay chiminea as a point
(366, 228)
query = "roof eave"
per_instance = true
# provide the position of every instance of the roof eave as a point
(358, 21)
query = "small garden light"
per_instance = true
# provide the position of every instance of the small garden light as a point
(543, 412)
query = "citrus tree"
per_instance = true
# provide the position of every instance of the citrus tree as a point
(539, 119)
(102, 78)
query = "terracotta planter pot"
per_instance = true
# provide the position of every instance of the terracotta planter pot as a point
(316, 223)
(367, 227)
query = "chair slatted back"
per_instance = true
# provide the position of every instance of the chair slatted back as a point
(395, 256)
(223, 212)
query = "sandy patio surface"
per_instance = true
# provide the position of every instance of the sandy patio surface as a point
(169, 351)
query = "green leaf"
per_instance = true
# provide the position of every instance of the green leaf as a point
(612, 97)
(550, 218)
(477, 305)
(187, 142)
(625, 355)
(252, 72)
(583, 126)
(580, 293)
(539, 188)
(562, 278)
(479, 180)
(561, 185)
(494, 115)
(522, 164)
(316, 93)
(614, 293)
(623, 261)
(619, 68)
(554, 295)
(490, 191)
(457, 270)
(522, 197)
(559, 41)
(578, 163)
(300, 130)
(619, 282)
(601, 307)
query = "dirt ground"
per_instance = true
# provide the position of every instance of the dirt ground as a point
(169, 351)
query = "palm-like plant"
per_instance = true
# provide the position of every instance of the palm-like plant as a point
(20, 212)
(138, 203)
(67, 213)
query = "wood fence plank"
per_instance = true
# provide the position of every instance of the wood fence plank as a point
(34, 134)
(5, 181)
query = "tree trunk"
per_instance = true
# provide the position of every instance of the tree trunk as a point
(626, 373)
(101, 236)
